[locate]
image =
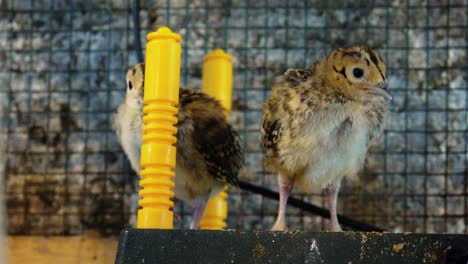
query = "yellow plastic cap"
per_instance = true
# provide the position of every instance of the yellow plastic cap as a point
(164, 33)
(218, 54)
(217, 77)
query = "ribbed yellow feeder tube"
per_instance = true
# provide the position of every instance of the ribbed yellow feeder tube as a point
(217, 82)
(158, 153)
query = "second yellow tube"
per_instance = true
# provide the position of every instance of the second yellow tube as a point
(217, 82)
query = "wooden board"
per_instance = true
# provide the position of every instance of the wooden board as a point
(88, 248)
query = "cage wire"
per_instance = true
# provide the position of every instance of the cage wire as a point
(62, 78)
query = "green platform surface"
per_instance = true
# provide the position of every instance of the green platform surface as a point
(187, 246)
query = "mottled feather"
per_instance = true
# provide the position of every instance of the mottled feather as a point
(213, 136)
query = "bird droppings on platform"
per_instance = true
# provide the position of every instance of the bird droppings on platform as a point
(295, 233)
(398, 247)
(314, 247)
(259, 250)
(363, 242)
(313, 254)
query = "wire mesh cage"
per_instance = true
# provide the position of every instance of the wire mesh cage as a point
(62, 78)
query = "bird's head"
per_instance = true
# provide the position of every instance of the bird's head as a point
(135, 86)
(358, 72)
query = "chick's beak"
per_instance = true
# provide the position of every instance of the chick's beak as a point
(380, 90)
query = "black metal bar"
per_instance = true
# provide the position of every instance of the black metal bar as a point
(136, 30)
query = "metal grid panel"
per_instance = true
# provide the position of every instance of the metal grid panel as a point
(64, 77)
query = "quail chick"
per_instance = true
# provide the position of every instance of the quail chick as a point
(319, 122)
(208, 149)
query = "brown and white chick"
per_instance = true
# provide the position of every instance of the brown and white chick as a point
(319, 122)
(208, 150)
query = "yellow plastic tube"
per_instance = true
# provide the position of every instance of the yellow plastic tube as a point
(217, 82)
(158, 153)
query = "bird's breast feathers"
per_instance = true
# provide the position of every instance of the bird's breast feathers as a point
(329, 145)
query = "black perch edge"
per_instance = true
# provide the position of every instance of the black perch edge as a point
(188, 246)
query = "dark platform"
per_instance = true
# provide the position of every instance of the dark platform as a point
(186, 246)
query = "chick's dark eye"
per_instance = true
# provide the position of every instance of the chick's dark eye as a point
(358, 72)
(130, 86)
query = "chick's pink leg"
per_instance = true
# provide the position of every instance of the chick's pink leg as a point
(332, 195)
(198, 210)
(285, 186)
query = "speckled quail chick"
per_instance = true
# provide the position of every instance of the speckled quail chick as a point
(208, 149)
(319, 122)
